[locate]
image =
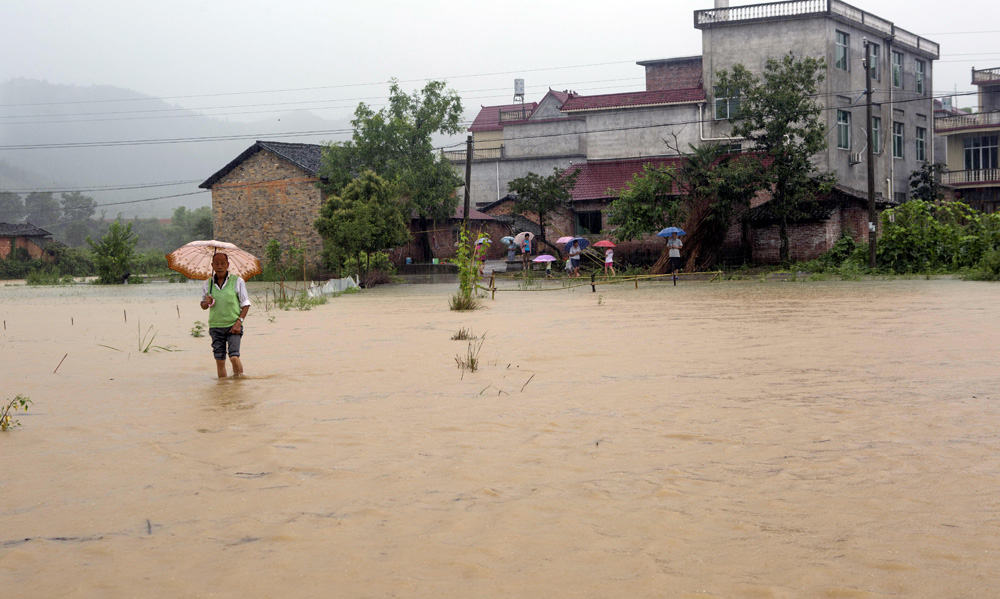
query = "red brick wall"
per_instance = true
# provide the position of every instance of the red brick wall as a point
(674, 75)
(35, 251)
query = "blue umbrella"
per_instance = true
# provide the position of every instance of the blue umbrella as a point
(670, 231)
(507, 240)
(583, 241)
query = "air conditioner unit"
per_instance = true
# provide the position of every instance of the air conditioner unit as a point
(854, 158)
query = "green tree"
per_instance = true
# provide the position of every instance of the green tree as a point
(779, 115)
(11, 207)
(395, 143)
(114, 255)
(543, 195)
(41, 209)
(77, 207)
(366, 217)
(925, 182)
(646, 204)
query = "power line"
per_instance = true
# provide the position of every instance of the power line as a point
(102, 188)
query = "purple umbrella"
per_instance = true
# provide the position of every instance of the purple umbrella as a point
(545, 258)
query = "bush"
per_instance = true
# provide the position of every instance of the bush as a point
(379, 261)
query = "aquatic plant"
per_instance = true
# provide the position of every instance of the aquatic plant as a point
(146, 341)
(463, 334)
(198, 330)
(470, 361)
(19, 402)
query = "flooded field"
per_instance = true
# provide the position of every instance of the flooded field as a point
(710, 440)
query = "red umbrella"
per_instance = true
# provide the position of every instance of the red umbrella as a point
(604, 243)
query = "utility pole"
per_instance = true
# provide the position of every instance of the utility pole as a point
(468, 180)
(872, 219)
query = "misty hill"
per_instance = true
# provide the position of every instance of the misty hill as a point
(36, 112)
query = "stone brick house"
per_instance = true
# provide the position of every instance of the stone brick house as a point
(269, 192)
(27, 237)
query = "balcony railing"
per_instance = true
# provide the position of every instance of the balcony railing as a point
(988, 175)
(514, 114)
(978, 119)
(797, 8)
(477, 154)
(986, 75)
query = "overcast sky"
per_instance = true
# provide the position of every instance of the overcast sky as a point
(185, 48)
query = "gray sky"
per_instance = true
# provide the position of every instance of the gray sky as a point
(195, 48)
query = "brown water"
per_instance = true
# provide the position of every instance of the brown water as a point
(706, 440)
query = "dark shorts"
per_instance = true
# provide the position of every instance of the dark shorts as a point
(221, 337)
(675, 263)
(576, 262)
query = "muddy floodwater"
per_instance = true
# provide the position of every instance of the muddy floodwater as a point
(710, 440)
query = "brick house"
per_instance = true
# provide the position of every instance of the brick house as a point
(270, 192)
(27, 237)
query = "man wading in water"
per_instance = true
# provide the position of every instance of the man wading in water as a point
(227, 297)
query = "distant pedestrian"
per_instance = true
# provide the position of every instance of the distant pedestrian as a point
(609, 262)
(526, 251)
(674, 244)
(575, 252)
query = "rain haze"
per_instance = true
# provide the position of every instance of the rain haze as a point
(122, 71)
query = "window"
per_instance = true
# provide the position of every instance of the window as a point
(897, 69)
(588, 223)
(843, 130)
(876, 64)
(980, 152)
(727, 103)
(842, 59)
(897, 140)
(877, 134)
(921, 144)
(921, 73)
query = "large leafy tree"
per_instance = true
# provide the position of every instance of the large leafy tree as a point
(779, 114)
(395, 143)
(11, 207)
(925, 182)
(77, 207)
(114, 255)
(41, 209)
(365, 217)
(646, 204)
(542, 195)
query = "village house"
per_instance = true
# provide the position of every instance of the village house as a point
(682, 106)
(270, 192)
(27, 237)
(972, 174)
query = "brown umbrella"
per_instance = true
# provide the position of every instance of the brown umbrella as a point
(194, 260)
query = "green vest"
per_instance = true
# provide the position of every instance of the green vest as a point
(226, 310)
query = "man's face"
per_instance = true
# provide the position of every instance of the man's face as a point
(220, 264)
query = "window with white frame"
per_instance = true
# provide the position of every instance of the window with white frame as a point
(921, 138)
(842, 58)
(897, 140)
(876, 65)
(727, 103)
(877, 134)
(897, 69)
(843, 130)
(980, 152)
(921, 70)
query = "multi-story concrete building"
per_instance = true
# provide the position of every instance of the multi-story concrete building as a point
(682, 105)
(971, 158)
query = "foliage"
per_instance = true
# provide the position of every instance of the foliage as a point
(365, 218)
(6, 420)
(925, 182)
(198, 330)
(468, 274)
(543, 195)
(463, 334)
(146, 341)
(300, 301)
(41, 209)
(114, 255)
(11, 207)
(780, 115)
(396, 144)
(48, 275)
(470, 361)
(76, 206)
(646, 205)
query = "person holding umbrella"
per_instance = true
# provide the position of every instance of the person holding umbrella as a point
(225, 297)
(674, 244)
(574, 255)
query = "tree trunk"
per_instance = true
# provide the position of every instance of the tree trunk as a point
(783, 253)
(425, 239)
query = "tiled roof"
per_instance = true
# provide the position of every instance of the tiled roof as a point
(473, 214)
(22, 230)
(634, 99)
(488, 118)
(596, 178)
(308, 157)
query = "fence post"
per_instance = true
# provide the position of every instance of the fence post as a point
(593, 288)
